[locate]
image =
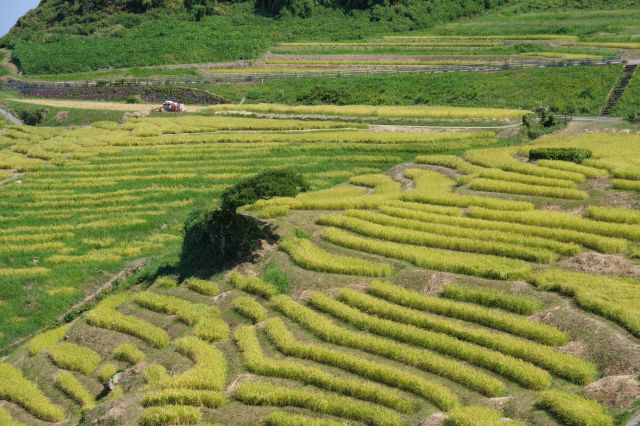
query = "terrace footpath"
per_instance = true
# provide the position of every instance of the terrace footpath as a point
(12, 118)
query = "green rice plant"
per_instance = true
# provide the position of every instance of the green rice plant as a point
(558, 220)
(70, 356)
(501, 175)
(188, 312)
(207, 288)
(170, 414)
(422, 235)
(569, 367)
(309, 256)
(195, 398)
(517, 370)
(14, 387)
(442, 260)
(472, 415)
(128, 353)
(258, 363)
(504, 321)
(284, 340)
(626, 185)
(569, 166)
(106, 316)
(47, 339)
(426, 208)
(425, 360)
(156, 374)
(24, 272)
(7, 420)
(209, 371)
(614, 298)
(614, 214)
(512, 187)
(282, 418)
(252, 285)
(75, 390)
(107, 371)
(250, 308)
(257, 393)
(516, 303)
(211, 329)
(574, 410)
(563, 236)
(277, 277)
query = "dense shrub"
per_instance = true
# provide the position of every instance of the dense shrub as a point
(277, 183)
(575, 155)
(33, 117)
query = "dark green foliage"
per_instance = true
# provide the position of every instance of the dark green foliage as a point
(277, 183)
(557, 88)
(537, 124)
(134, 99)
(215, 238)
(575, 155)
(33, 117)
(277, 277)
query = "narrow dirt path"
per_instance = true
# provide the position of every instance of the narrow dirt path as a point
(634, 421)
(10, 117)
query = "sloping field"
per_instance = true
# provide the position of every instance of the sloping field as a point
(449, 287)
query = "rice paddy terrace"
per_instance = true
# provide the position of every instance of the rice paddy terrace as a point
(428, 278)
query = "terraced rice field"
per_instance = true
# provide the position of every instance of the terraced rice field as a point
(445, 287)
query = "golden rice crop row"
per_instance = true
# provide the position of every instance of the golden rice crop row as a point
(47, 339)
(170, 414)
(252, 285)
(14, 387)
(502, 158)
(613, 298)
(256, 393)
(71, 356)
(282, 418)
(501, 175)
(431, 391)
(560, 221)
(189, 397)
(614, 45)
(450, 161)
(390, 232)
(590, 172)
(487, 37)
(596, 242)
(188, 312)
(375, 111)
(24, 272)
(128, 353)
(257, 363)
(309, 256)
(15, 161)
(504, 321)
(512, 187)
(442, 260)
(250, 308)
(209, 371)
(574, 410)
(204, 287)
(614, 214)
(630, 173)
(35, 238)
(517, 370)
(427, 208)
(75, 390)
(394, 216)
(516, 303)
(626, 185)
(106, 316)
(325, 329)
(105, 224)
(32, 248)
(566, 366)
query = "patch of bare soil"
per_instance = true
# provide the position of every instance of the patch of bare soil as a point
(619, 392)
(576, 347)
(498, 403)
(436, 283)
(436, 419)
(397, 174)
(578, 211)
(241, 378)
(602, 264)
(619, 199)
